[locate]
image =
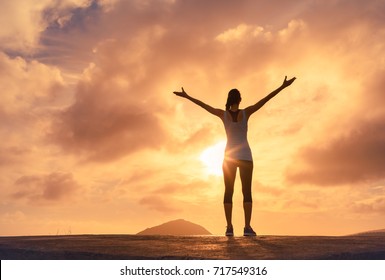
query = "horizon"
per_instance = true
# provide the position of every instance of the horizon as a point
(238, 233)
(95, 142)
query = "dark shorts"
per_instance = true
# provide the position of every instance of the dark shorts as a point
(230, 167)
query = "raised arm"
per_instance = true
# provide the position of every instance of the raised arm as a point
(253, 108)
(208, 108)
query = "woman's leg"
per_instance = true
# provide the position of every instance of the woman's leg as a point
(229, 173)
(246, 174)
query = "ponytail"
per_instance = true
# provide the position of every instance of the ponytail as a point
(234, 97)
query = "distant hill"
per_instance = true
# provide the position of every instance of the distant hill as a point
(379, 232)
(177, 227)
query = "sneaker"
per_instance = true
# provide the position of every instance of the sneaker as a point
(249, 232)
(229, 231)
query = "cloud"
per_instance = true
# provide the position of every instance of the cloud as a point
(242, 32)
(246, 33)
(12, 155)
(158, 203)
(356, 157)
(106, 133)
(375, 205)
(41, 85)
(20, 27)
(349, 148)
(29, 92)
(44, 188)
(113, 114)
(353, 150)
(23, 21)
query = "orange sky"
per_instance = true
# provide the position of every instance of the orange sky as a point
(94, 141)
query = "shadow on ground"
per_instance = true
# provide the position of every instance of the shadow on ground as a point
(126, 247)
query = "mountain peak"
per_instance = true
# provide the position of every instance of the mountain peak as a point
(176, 227)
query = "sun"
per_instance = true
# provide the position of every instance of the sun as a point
(212, 158)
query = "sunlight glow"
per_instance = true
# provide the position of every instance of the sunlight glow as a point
(212, 158)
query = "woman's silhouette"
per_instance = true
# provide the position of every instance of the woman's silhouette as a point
(237, 152)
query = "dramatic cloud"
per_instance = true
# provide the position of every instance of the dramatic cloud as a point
(29, 91)
(51, 187)
(22, 21)
(350, 147)
(115, 109)
(106, 129)
(41, 84)
(357, 157)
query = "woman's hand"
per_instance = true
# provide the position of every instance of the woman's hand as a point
(287, 83)
(181, 93)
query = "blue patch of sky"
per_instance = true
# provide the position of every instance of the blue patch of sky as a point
(56, 44)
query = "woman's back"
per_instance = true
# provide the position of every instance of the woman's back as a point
(237, 146)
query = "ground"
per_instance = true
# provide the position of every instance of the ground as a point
(121, 247)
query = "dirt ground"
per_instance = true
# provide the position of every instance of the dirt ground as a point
(126, 247)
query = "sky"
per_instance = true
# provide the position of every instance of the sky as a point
(94, 141)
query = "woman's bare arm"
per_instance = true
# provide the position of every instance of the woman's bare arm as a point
(214, 111)
(252, 109)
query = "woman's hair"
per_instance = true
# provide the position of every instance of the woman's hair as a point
(234, 97)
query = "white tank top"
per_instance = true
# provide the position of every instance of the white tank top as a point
(237, 146)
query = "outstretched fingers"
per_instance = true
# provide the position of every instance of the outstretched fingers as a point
(180, 93)
(287, 82)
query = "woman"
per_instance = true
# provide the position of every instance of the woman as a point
(237, 152)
